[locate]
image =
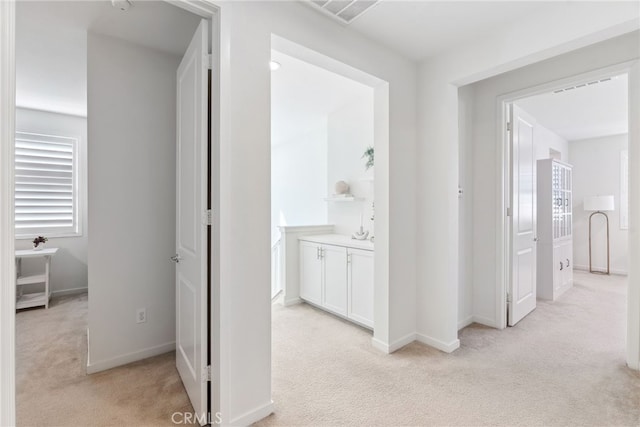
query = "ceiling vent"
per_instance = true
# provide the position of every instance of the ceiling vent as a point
(345, 11)
(580, 86)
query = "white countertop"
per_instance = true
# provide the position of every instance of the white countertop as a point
(339, 240)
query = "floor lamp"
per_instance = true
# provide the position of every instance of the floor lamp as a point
(598, 205)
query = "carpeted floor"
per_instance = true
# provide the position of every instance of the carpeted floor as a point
(54, 390)
(563, 365)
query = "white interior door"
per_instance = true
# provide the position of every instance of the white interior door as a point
(522, 292)
(191, 223)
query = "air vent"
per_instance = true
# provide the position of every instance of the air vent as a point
(580, 86)
(345, 11)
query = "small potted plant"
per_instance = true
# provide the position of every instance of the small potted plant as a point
(368, 154)
(39, 242)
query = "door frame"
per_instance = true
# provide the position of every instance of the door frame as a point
(503, 236)
(219, 36)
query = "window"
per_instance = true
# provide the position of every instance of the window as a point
(46, 181)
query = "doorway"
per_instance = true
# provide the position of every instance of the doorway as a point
(332, 196)
(585, 120)
(132, 164)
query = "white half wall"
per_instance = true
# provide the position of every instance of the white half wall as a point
(69, 266)
(132, 131)
(596, 171)
(350, 132)
(298, 181)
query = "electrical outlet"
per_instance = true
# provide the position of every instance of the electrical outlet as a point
(141, 315)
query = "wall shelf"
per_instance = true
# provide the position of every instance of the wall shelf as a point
(344, 199)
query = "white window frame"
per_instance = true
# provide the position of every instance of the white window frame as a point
(54, 232)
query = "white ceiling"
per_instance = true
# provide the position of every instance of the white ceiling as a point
(302, 95)
(585, 112)
(419, 29)
(51, 44)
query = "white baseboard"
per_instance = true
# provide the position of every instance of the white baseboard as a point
(440, 345)
(585, 268)
(485, 321)
(73, 291)
(125, 359)
(394, 346)
(253, 416)
(465, 322)
(289, 302)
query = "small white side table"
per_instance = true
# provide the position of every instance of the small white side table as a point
(38, 298)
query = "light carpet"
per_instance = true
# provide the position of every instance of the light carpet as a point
(53, 388)
(563, 365)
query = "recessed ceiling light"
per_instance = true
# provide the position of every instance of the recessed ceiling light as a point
(274, 65)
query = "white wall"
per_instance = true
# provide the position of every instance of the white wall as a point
(486, 145)
(131, 126)
(350, 132)
(245, 186)
(596, 171)
(576, 25)
(546, 140)
(69, 266)
(298, 181)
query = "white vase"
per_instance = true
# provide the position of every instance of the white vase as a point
(38, 248)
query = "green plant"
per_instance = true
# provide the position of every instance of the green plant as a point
(368, 153)
(38, 240)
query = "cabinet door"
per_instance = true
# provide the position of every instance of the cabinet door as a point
(335, 279)
(558, 266)
(567, 255)
(310, 273)
(360, 286)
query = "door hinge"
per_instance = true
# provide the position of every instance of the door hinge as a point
(508, 297)
(207, 217)
(206, 374)
(508, 126)
(508, 211)
(208, 60)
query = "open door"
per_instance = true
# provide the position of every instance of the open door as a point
(522, 290)
(192, 222)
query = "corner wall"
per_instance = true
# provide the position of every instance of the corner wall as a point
(132, 131)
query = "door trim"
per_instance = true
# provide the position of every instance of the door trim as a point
(7, 226)
(503, 237)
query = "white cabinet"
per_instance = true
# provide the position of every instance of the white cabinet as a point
(360, 286)
(310, 273)
(338, 279)
(555, 222)
(334, 260)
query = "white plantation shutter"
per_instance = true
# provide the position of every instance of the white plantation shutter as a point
(45, 186)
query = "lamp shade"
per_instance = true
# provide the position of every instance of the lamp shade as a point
(598, 203)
